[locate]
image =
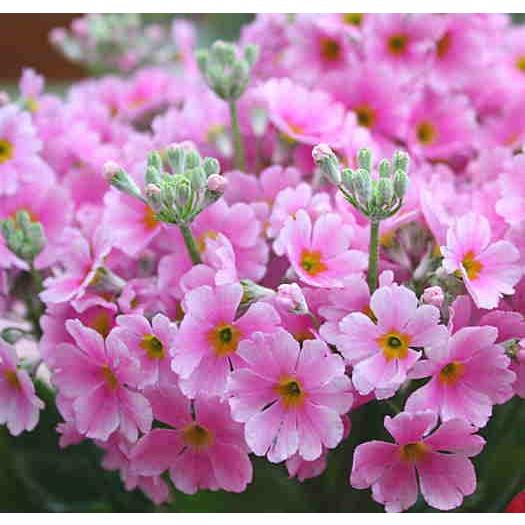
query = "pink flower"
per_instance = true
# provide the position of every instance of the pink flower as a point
(308, 117)
(19, 405)
(82, 260)
(320, 253)
(149, 344)
(470, 373)
(100, 378)
(440, 460)
(489, 270)
(132, 223)
(438, 128)
(381, 351)
(203, 449)
(19, 147)
(291, 399)
(205, 347)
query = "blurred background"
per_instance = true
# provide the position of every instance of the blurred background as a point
(35, 476)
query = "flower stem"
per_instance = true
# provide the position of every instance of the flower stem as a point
(238, 147)
(190, 244)
(373, 256)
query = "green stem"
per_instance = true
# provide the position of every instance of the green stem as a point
(373, 256)
(238, 147)
(190, 244)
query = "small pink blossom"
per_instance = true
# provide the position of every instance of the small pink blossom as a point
(440, 460)
(489, 270)
(202, 448)
(319, 253)
(100, 378)
(19, 405)
(469, 374)
(382, 350)
(205, 348)
(291, 399)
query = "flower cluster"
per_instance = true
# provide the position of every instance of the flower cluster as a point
(213, 262)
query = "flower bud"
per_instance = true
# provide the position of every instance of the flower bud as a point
(400, 161)
(155, 160)
(385, 192)
(152, 176)
(176, 157)
(211, 166)
(118, 178)
(384, 169)
(346, 179)
(400, 184)
(364, 159)
(327, 162)
(217, 183)
(182, 193)
(291, 298)
(433, 295)
(153, 196)
(251, 54)
(192, 160)
(362, 185)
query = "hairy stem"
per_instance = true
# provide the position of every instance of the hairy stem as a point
(373, 256)
(238, 147)
(190, 244)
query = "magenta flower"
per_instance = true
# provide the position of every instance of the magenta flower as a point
(100, 378)
(291, 399)
(19, 147)
(469, 374)
(82, 260)
(150, 344)
(308, 117)
(320, 253)
(19, 405)
(382, 350)
(203, 449)
(489, 270)
(440, 460)
(205, 348)
(511, 206)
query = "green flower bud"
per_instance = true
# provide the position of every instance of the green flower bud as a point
(327, 162)
(176, 157)
(362, 185)
(400, 184)
(197, 177)
(182, 193)
(153, 197)
(384, 169)
(192, 160)
(251, 54)
(400, 161)
(346, 179)
(364, 159)
(23, 237)
(117, 177)
(384, 192)
(155, 160)
(152, 176)
(211, 166)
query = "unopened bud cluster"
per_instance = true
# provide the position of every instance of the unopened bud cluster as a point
(226, 69)
(179, 184)
(377, 198)
(23, 236)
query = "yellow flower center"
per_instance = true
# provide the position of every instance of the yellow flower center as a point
(196, 436)
(426, 133)
(413, 452)
(520, 63)
(472, 265)
(291, 392)
(311, 262)
(353, 19)
(450, 374)
(201, 241)
(109, 377)
(394, 345)
(366, 116)
(6, 150)
(101, 322)
(224, 339)
(152, 346)
(397, 43)
(32, 105)
(443, 45)
(12, 379)
(149, 219)
(330, 49)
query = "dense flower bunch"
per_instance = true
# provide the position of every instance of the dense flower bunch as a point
(216, 263)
